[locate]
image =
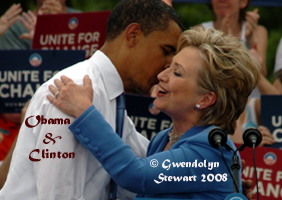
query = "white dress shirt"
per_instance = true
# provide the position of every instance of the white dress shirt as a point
(67, 179)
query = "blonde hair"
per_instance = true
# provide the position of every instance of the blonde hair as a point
(229, 70)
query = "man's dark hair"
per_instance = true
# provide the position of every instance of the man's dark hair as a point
(151, 15)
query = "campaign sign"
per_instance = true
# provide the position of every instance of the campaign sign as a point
(23, 71)
(271, 117)
(146, 118)
(269, 171)
(71, 31)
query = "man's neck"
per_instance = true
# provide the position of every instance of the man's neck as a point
(117, 58)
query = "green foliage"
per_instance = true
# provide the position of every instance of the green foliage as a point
(193, 14)
(95, 5)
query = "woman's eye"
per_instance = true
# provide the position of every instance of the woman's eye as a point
(177, 74)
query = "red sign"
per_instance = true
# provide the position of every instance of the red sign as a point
(269, 171)
(71, 31)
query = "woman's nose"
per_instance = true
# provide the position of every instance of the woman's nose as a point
(163, 76)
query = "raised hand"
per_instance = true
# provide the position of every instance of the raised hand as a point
(225, 25)
(10, 17)
(251, 24)
(29, 21)
(267, 137)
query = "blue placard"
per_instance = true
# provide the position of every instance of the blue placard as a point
(271, 117)
(146, 118)
(23, 71)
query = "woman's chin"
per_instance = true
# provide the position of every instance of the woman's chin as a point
(159, 106)
(156, 104)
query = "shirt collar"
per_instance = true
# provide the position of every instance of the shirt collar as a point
(110, 75)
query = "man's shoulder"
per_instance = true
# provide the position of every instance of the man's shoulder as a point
(78, 70)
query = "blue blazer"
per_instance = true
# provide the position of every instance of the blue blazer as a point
(190, 169)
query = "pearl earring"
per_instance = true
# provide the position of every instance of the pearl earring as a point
(198, 106)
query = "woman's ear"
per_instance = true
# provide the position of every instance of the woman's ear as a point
(243, 3)
(207, 100)
(132, 33)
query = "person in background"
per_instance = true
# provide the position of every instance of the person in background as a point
(232, 17)
(9, 129)
(251, 115)
(136, 49)
(9, 17)
(264, 87)
(4, 168)
(20, 34)
(206, 86)
(250, 118)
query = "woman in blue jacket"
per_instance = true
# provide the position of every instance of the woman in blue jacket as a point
(206, 86)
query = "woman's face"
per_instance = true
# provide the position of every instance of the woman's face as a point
(232, 7)
(178, 90)
(40, 2)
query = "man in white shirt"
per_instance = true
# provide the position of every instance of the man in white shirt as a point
(141, 40)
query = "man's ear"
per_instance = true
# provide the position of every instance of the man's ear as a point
(207, 100)
(132, 32)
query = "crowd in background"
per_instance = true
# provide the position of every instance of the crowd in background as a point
(17, 31)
